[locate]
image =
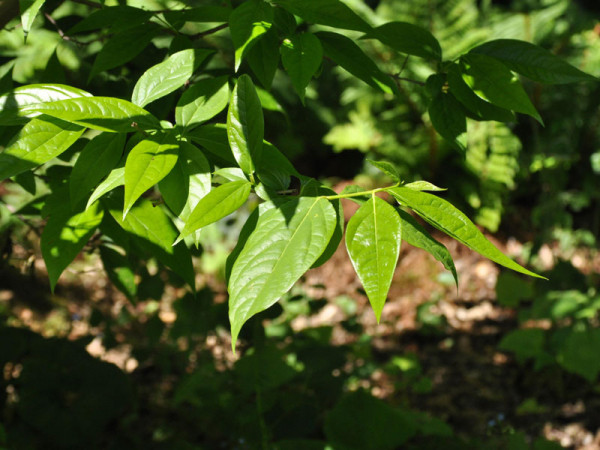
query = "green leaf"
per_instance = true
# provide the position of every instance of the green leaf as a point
(479, 108)
(423, 186)
(156, 233)
(578, 353)
(263, 58)
(29, 9)
(64, 236)
(119, 271)
(445, 217)
(332, 13)
(409, 39)
(99, 113)
(201, 14)
(13, 103)
(286, 242)
(116, 18)
(218, 203)
(344, 52)
(166, 77)
(214, 139)
(39, 141)
(115, 178)
(417, 236)
(301, 55)
(247, 23)
(96, 161)
(387, 168)
(123, 47)
(493, 81)
(449, 120)
(532, 61)
(202, 101)
(148, 162)
(373, 237)
(245, 124)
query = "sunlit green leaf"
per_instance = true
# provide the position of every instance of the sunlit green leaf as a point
(115, 178)
(96, 160)
(388, 168)
(245, 124)
(301, 55)
(100, 113)
(218, 203)
(373, 238)
(423, 186)
(287, 240)
(166, 77)
(64, 236)
(202, 101)
(29, 9)
(148, 162)
(445, 217)
(417, 236)
(39, 141)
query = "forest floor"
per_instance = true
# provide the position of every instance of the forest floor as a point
(461, 376)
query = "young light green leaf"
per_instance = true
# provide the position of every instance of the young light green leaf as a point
(478, 108)
(387, 168)
(123, 47)
(408, 38)
(263, 58)
(449, 120)
(332, 13)
(417, 236)
(148, 162)
(532, 61)
(202, 101)
(39, 141)
(96, 160)
(13, 103)
(156, 233)
(245, 124)
(119, 271)
(64, 236)
(247, 23)
(218, 203)
(286, 242)
(29, 9)
(493, 81)
(301, 55)
(423, 186)
(445, 217)
(115, 178)
(373, 237)
(231, 174)
(164, 78)
(99, 113)
(344, 52)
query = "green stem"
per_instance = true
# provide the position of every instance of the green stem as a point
(359, 194)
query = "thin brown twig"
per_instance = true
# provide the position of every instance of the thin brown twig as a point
(60, 32)
(209, 32)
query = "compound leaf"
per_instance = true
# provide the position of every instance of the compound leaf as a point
(373, 238)
(285, 243)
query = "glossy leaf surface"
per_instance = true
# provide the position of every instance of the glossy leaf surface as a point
(373, 237)
(115, 178)
(148, 162)
(445, 217)
(245, 124)
(218, 203)
(388, 168)
(39, 141)
(29, 10)
(202, 101)
(287, 240)
(99, 113)
(249, 22)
